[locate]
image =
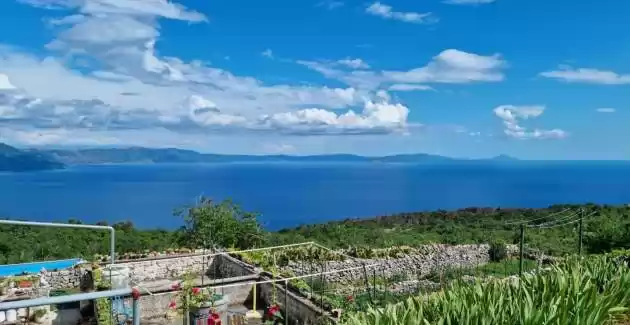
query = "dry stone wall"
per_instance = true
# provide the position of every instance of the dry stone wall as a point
(433, 257)
(166, 268)
(64, 279)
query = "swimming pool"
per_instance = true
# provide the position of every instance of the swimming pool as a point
(36, 267)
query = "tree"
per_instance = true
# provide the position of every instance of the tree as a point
(224, 224)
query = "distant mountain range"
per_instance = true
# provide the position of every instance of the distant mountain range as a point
(147, 155)
(15, 160)
(12, 159)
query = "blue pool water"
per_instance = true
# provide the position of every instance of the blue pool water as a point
(36, 267)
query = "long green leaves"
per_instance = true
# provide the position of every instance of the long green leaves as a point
(579, 291)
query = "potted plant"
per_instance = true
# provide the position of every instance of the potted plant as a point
(196, 303)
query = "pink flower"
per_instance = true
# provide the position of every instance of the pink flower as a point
(196, 291)
(176, 286)
(172, 305)
(349, 298)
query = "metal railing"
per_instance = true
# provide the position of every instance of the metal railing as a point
(45, 301)
(69, 225)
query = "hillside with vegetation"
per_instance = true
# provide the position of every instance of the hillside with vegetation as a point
(16, 160)
(224, 224)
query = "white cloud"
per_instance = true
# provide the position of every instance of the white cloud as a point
(387, 12)
(281, 148)
(606, 110)
(512, 117)
(267, 53)
(354, 63)
(5, 84)
(127, 93)
(330, 5)
(467, 2)
(375, 118)
(138, 8)
(409, 87)
(454, 66)
(449, 66)
(583, 75)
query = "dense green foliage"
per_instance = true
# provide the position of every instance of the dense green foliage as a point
(586, 291)
(607, 228)
(224, 224)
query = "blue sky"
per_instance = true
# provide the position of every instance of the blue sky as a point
(466, 78)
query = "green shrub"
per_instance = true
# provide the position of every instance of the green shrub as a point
(497, 251)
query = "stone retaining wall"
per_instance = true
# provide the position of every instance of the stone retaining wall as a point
(166, 268)
(65, 279)
(298, 310)
(435, 257)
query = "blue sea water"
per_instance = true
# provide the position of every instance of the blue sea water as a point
(290, 194)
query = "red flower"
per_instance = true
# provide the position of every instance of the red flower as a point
(349, 298)
(273, 310)
(214, 319)
(172, 305)
(176, 286)
(196, 291)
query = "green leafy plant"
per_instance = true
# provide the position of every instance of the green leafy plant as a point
(589, 291)
(190, 297)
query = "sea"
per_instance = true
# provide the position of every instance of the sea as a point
(291, 194)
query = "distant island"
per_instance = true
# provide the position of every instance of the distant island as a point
(13, 159)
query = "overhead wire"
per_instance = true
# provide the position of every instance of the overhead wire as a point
(558, 220)
(566, 223)
(520, 222)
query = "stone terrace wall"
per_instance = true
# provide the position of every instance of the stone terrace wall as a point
(171, 267)
(65, 279)
(231, 268)
(298, 310)
(436, 257)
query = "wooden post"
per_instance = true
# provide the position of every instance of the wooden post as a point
(520, 261)
(581, 232)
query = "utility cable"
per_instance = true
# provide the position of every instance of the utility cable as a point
(566, 223)
(536, 219)
(557, 221)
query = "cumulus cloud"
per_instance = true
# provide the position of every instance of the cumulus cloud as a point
(268, 53)
(138, 8)
(387, 12)
(450, 66)
(128, 87)
(376, 118)
(5, 84)
(606, 110)
(512, 116)
(583, 75)
(354, 63)
(453, 66)
(468, 2)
